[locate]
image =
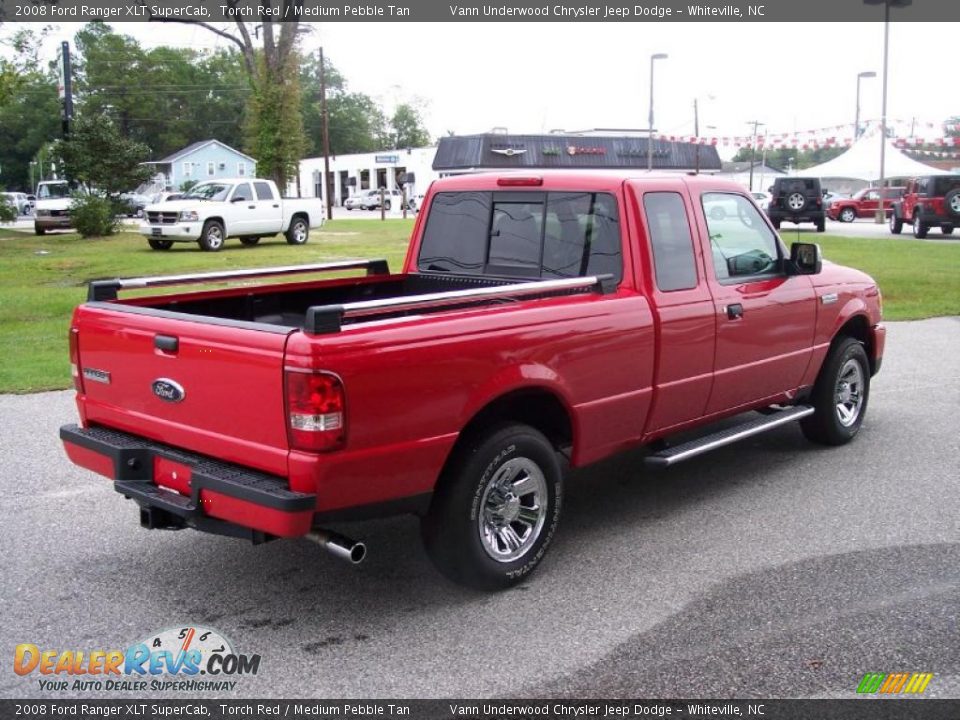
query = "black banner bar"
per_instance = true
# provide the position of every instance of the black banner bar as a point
(790, 11)
(137, 709)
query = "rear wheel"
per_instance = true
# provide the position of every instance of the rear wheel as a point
(848, 214)
(250, 240)
(946, 229)
(386, 205)
(776, 224)
(896, 223)
(821, 225)
(495, 509)
(158, 244)
(298, 232)
(840, 395)
(952, 202)
(212, 237)
(920, 228)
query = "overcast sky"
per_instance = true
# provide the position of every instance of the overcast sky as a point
(535, 77)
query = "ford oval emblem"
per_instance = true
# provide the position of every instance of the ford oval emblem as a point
(168, 390)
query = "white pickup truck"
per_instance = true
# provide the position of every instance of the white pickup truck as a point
(245, 208)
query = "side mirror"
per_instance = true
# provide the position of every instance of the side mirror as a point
(236, 199)
(806, 258)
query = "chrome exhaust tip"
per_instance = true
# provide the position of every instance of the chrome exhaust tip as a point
(353, 551)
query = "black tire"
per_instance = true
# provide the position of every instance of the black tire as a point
(946, 229)
(298, 232)
(213, 236)
(508, 455)
(776, 224)
(847, 215)
(37, 230)
(951, 202)
(250, 240)
(920, 228)
(846, 361)
(896, 223)
(821, 225)
(387, 205)
(157, 244)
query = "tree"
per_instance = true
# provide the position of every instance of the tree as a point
(407, 126)
(97, 155)
(781, 157)
(274, 130)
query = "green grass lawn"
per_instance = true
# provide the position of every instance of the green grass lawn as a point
(43, 278)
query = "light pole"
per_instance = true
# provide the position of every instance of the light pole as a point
(326, 184)
(653, 58)
(887, 4)
(753, 147)
(856, 122)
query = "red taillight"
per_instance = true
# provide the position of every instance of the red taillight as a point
(316, 411)
(531, 181)
(75, 359)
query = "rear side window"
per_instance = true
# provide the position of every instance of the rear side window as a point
(263, 191)
(671, 241)
(523, 234)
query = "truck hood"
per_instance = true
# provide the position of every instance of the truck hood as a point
(833, 274)
(54, 204)
(179, 205)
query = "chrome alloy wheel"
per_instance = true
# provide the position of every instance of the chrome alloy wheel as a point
(848, 393)
(299, 233)
(795, 201)
(955, 204)
(513, 510)
(214, 237)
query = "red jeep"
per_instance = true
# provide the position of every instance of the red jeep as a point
(539, 323)
(929, 201)
(863, 204)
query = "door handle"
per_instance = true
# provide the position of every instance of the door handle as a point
(275, 205)
(735, 311)
(251, 207)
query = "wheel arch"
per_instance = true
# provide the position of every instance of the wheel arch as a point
(299, 214)
(538, 406)
(220, 220)
(857, 326)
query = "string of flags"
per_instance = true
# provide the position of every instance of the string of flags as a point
(826, 137)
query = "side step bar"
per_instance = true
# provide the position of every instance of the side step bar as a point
(692, 448)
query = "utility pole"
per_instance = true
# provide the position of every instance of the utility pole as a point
(326, 138)
(66, 88)
(696, 134)
(753, 148)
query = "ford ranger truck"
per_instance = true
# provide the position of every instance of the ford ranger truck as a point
(212, 211)
(539, 323)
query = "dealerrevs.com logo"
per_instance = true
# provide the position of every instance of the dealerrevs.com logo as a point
(186, 659)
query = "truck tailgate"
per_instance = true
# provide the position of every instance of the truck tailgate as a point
(215, 389)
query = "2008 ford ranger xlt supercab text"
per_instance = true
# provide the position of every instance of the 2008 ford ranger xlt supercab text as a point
(540, 323)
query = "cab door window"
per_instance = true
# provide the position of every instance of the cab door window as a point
(741, 243)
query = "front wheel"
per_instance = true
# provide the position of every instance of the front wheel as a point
(37, 230)
(946, 229)
(848, 215)
(896, 223)
(821, 225)
(298, 232)
(160, 244)
(840, 395)
(920, 228)
(495, 508)
(212, 236)
(387, 205)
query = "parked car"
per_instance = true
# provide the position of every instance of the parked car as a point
(215, 210)
(21, 202)
(540, 323)
(53, 206)
(134, 203)
(863, 204)
(928, 201)
(370, 200)
(762, 199)
(166, 196)
(797, 200)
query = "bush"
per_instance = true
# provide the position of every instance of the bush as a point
(93, 216)
(8, 213)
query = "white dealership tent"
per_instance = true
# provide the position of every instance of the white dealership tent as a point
(862, 162)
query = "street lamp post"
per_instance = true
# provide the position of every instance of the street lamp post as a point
(887, 4)
(753, 147)
(653, 58)
(856, 122)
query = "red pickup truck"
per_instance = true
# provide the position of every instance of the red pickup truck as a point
(539, 323)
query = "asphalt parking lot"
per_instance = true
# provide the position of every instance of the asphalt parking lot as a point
(772, 568)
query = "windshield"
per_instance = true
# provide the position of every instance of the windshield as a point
(208, 191)
(59, 190)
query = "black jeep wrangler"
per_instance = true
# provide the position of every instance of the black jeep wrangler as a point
(797, 200)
